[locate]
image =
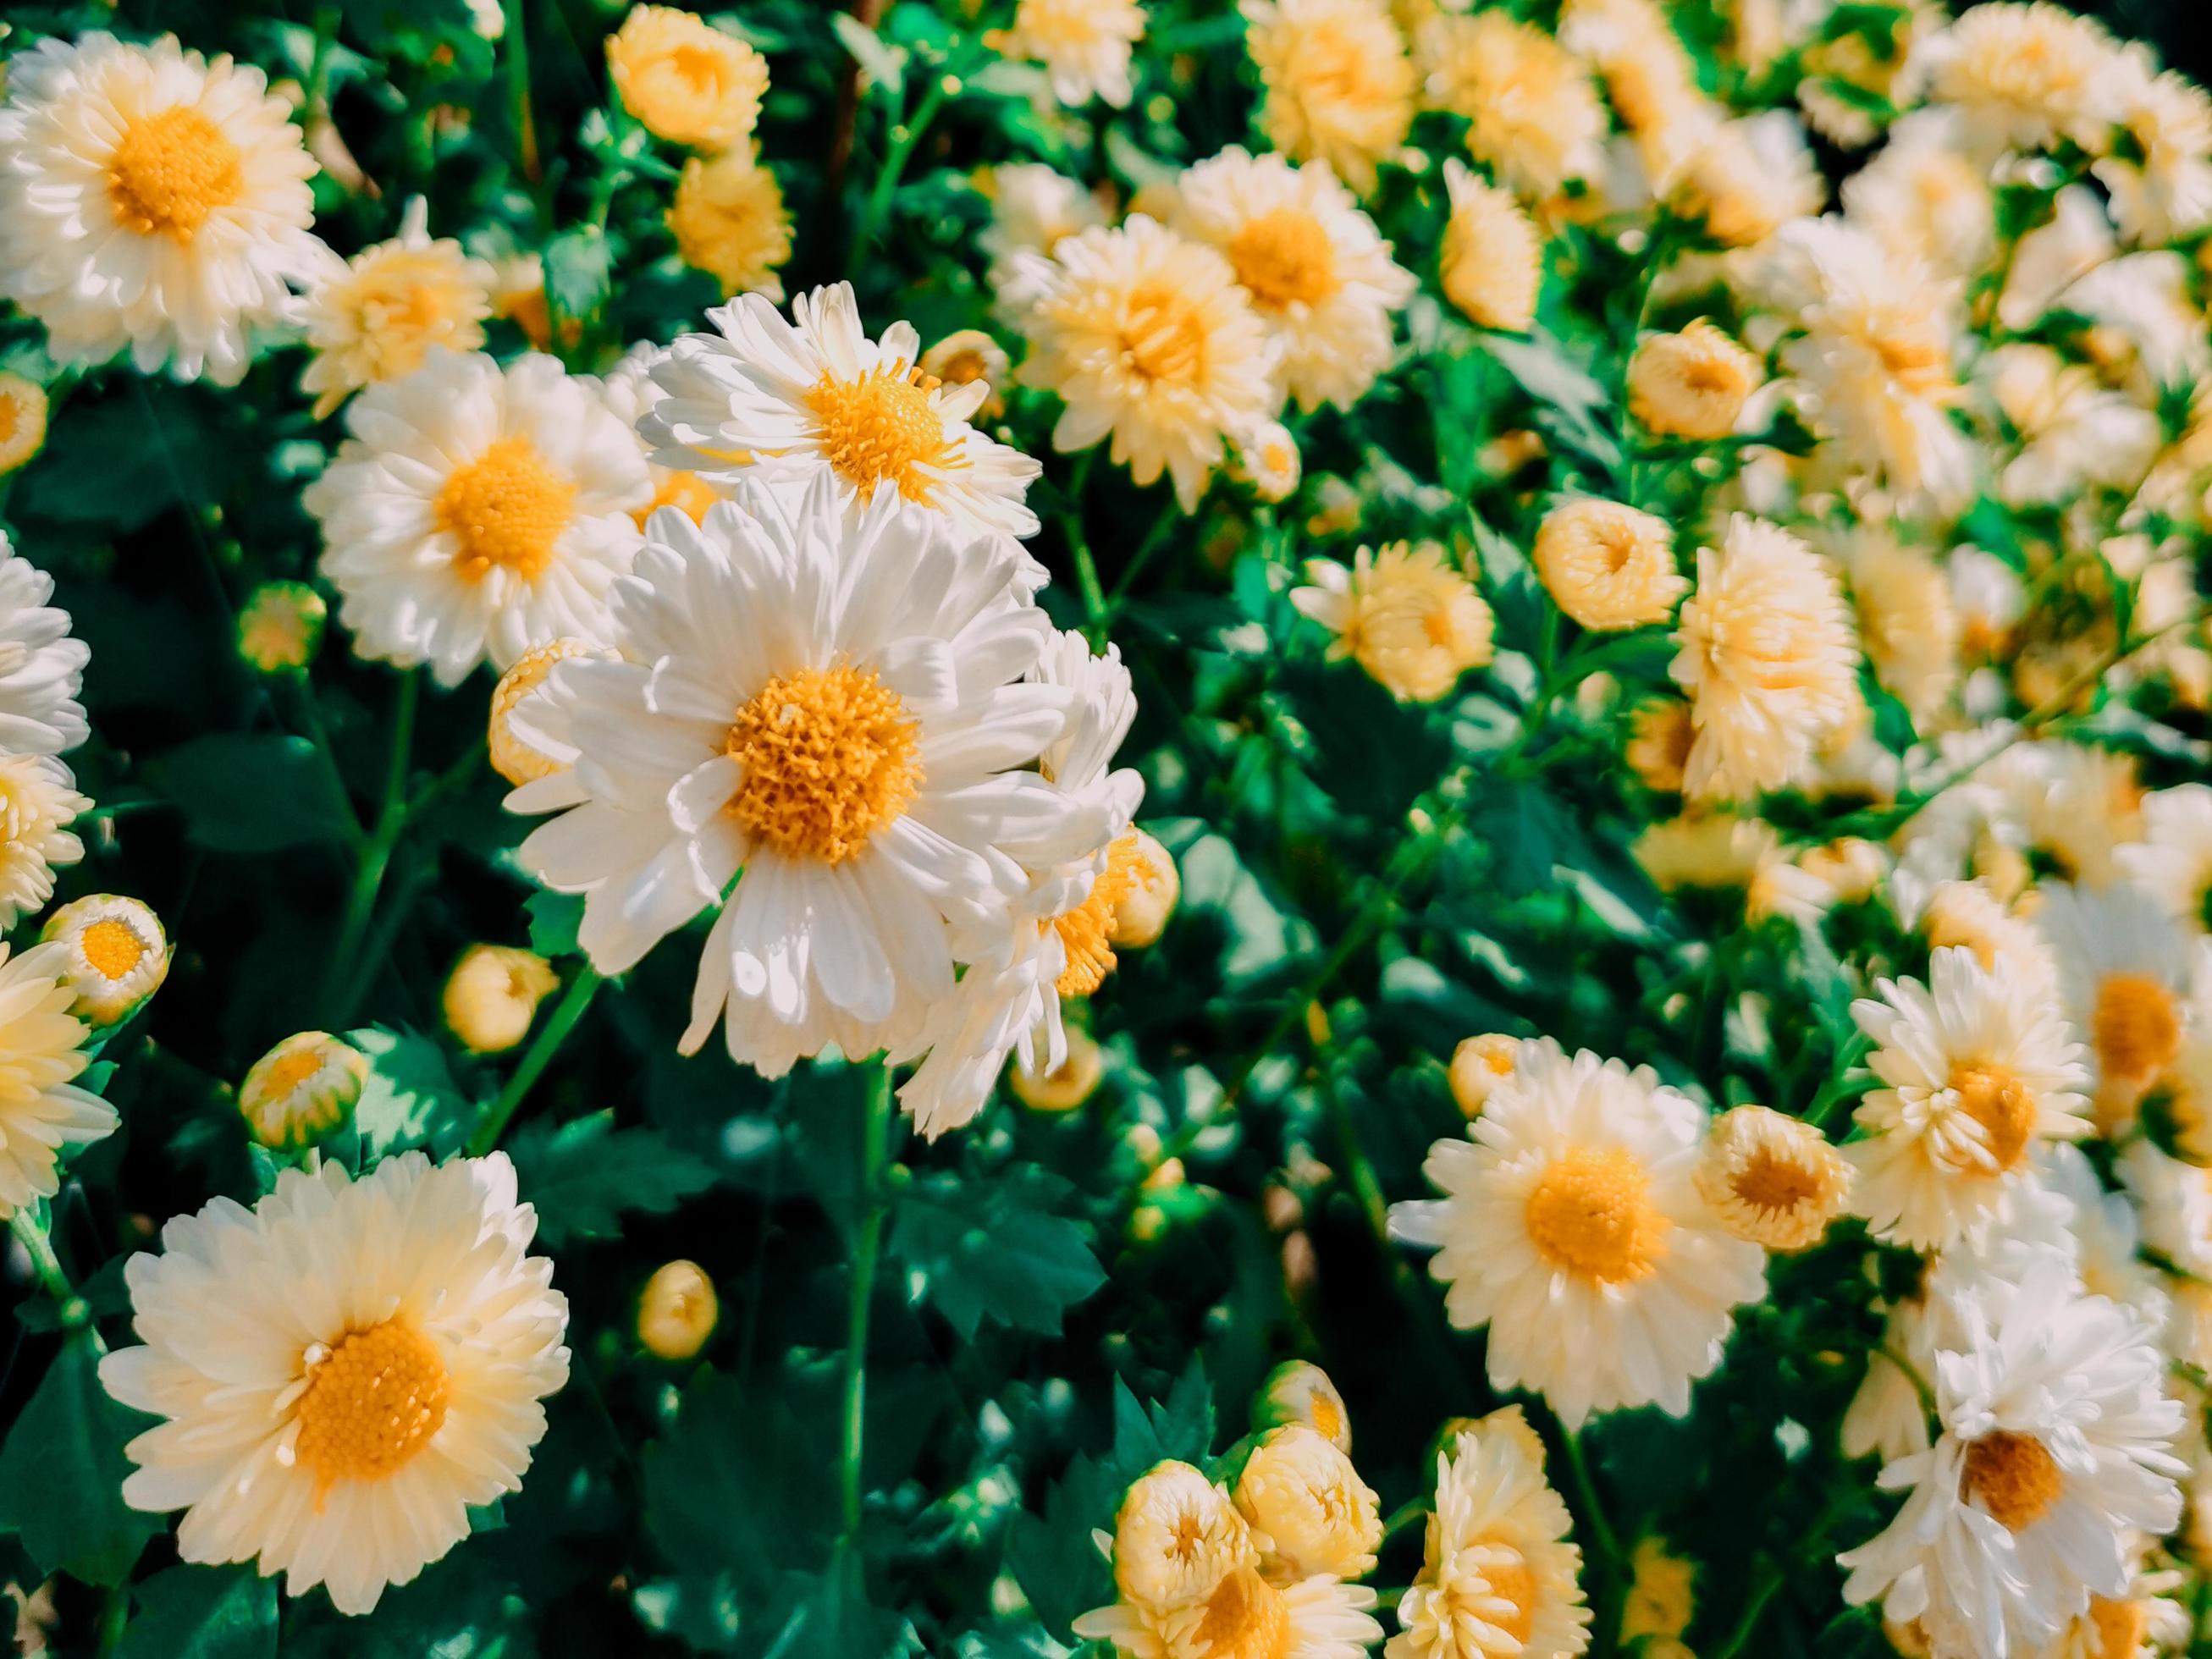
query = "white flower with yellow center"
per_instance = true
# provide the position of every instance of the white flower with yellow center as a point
(1978, 1068)
(1084, 44)
(1297, 1391)
(1691, 384)
(1573, 1228)
(2164, 192)
(1340, 86)
(2173, 862)
(1318, 273)
(477, 512)
(375, 317)
(1925, 199)
(815, 396)
(116, 953)
(41, 667)
(1501, 1575)
(1301, 1493)
(685, 80)
(2024, 76)
(38, 799)
(833, 702)
(301, 1089)
(1533, 113)
(1149, 340)
(1033, 209)
(2056, 1440)
(1966, 913)
(23, 408)
(42, 1110)
(1748, 177)
(1491, 263)
(2126, 974)
(1768, 660)
(347, 1368)
(1607, 565)
(152, 199)
(1404, 614)
(1772, 1179)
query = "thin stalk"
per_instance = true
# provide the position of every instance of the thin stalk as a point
(40, 1248)
(875, 1140)
(1154, 539)
(571, 1007)
(1602, 1532)
(901, 150)
(516, 38)
(376, 852)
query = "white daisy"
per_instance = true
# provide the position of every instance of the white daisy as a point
(2173, 1201)
(1033, 208)
(2107, 1236)
(1923, 198)
(38, 799)
(2126, 971)
(42, 1110)
(1084, 44)
(41, 667)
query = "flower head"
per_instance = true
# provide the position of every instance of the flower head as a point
(1297, 1391)
(376, 316)
(1492, 258)
(37, 800)
(1533, 113)
(1693, 384)
(1340, 86)
(685, 80)
(1404, 614)
(42, 1109)
(1608, 565)
(280, 627)
(301, 1089)
(729, 220)
(492, 994)
(115, 954)
(41, 667)
(677, 1311)
(1084, 44)
(22, 421)
(1479, 1065)
(1772, 1179)
(1299, 1491)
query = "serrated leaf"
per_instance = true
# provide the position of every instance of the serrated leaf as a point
(203, 1613)
(62, 1471)
(583, 1175)
(252, 792)
(121, 462)
(411, 1099)
(992, 1246)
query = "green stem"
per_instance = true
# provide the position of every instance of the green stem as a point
(1601, 1532)
(44, 1261)
(375, 853)
(1154, 539)
(875, 1139)
(1412, 1509)
(572, 1008)
(903, 139)
(114, 1615)
(517, 41)
(1762, 1592)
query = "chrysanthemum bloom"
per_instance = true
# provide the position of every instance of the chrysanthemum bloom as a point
(517, 296)
(1902, 601)
(966, 357)
(1479, 1065)
(520, 751)
(1245, 1613)
(1404, 614)
(2055, 1443)
(1318, 273)
(280, 627)
(1978, 1067)
(1647, 72)
(301, 1089)
(677, 1311)
(1043, 1087)
(1492, 262)
(478, 511)
(685, 80)
(347, 1368)
(41, 1108)
(2074, 431)
(815, 396)
(628, 390)
(1299, 1491)
(1572, 1227)
(1968, 914)
(2174, 1200)
(2126, 970)
(2075, 806)
(37, 800)
(1606, 565)
(1500, 1577)
(115, 953)
(41, 667)
(1924, 197)
(1084, 44)
(22, 421)
(781, 699)
(1772, 1179)
(150, 198)
(729, 220)
(2162, 191)
(1175, 1536)
(1767, 659)
(1704, 847)
(2173, 861)
(376, 316)
(1691, 385)
(1297, 1391)
(1748, 177)
(1532, 111)
(1268, 458)
(1659, 737)
(492, 994)
(2025, 76)
(1033, 209)
(1340, 86)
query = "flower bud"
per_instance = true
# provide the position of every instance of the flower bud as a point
(118, 955)
(281, 627)
(1068, 1084)
(677, 1311)
(493, 994)
(301, 1090)
(1141, 916)
(1296, 1392)
(1301, 1492)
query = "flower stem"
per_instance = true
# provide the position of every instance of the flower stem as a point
(903, 140)
(875, 1138)
(572, 1005)
(44, 1261)
(376, 853)
(1601, 1531)
(517, 41)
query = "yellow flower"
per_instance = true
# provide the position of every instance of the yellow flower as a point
(41, 1052)
(514, 747)
(23, 420)
(1084, 44)
(1532, 113)
(1907, 622)
(1141, 914)
(1659, 1601)
(301, 1089)
(1660, 734)
(1069, 1084)
(729, 220)
(1691, 385)
(1299, 1491)
(1404, 614)
(1493, 260)
(686, 81)
(1608, 565)
(118, 955)
(1771, 1179)
(493, 994)
(1175, 1537)
(1479, 1065)
(677, 1311)
(376, 318)
(280, 626)
(1340, 87)
(1704, 849)
(1297, 1392)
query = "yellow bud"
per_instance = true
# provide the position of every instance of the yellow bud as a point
(1141, 916)
(493, 994)
(677, 1311)
(1068, 1084)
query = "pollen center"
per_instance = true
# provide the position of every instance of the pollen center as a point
(1589, 1214)
(1771, 1183)
(1246, 1618)
(704, 72)
(2136, 1026)
(506, 509)
(170, 171)
(879, 429)
(1163, 338)
(1084, 931)
(687, 492)
(372, 1404)
(829, 758)
(2001, 1105)
(289, 1072)
(1285, 258)
(2015, 1475)
(2122, 1627)
(111, 948)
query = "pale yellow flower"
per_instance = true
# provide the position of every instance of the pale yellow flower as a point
(967, 356)
(1906, 623)
(1084, 44)
(1404, 614)
(1491, 262)
(1702, 849)
(1268, 459)
(22, 421)
(1296, 1391)
(42, 1109)
(1661, 1597)
(493, 994)
(685, 80)
(1660, 738)
(1479, 1065)
(301, 1089)
(729, 220)
(1299, 1491)
(1694, 384)
(677, 1311)
(376, 316)
(1066, 1086)
(39, 799)
(1772, 1179)
(1532, 111)
(1608, 565)
(1141, 914)
(1340, 86)
(2027, 76)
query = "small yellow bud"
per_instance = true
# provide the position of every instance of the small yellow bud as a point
(1141, 916)
(1068, 1084)
(301, 1089)
(493, 994)
(1478, 1066)
(519, 753)
(1297, 1392)
(118, 955)
(281, 627)
(677, 1311)
(22, 421)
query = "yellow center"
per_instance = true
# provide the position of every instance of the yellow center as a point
(1246, 1618)
(372, 1404)
(2001, 1105)
(170, 171)
(829, 758)
(687, 492)
(1770, 1181)
(1085, 931)
(289, 1072)
(1511, 1581)
(1589, 1214)
(1163, 337)
(111, 948)
(2015, 1475)
(878, 430)
(2121, 1628)
(2136, 1026)
(10, 418)
(1327, 1420)
(506, 509)
(1284, 258)
(705, 72)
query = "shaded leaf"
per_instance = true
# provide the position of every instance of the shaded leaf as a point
(62, 1471)
(203, 1613)
(993, 1248)
(257, 792)
(582, 1175)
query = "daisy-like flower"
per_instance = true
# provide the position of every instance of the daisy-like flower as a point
(685, 80)
(833, 702)
(492, 995)
(301, 1089)
(2074, 433)
(1573, 1228)
(42, 1110)
(1902, 601)
(628, 390)
(114, 955)
(1660, 736)
(39, 799)
(1492, 262)
(376, 316)
(1033, 209)
(22, 421)
(1694, 384)
(1925, 199)
(1404, 614)
(1968, 914)
(728, 219)
(478, 511)
(347, 1368)
(2056, 1441)
(2173, 861)
(1479, 1065)
(2126, 970)
(1318, 274)
(520, 751)
(1268, 458)
(677, 1311)
(2026, 75)
(1606, 565)
(1148, 339)
(1299, 1491)
(1772, 1179)
(2164, 191)
(150, 198)
(2173, 1201)
(1084, 44)
(41, 667)
(1532, 111)
(1978, 1068)
(1767, 659)
(1296, 1391)
(280, 627)
(1748, 177)
(2074, 807)
(1175, 1536)
(1500, 1577)
(1340, 86)
(815, 396)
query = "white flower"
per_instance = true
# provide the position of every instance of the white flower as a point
(2074, 431)
(41, 667)
(115, 954)
(2025, 76)
(2174, 1201)
(37, 800)
(1923, 199)
(2173, 862)
(347, 1368)
(42, 1110)
(150, 198)
(1574, 1229)
(2073, 242)
(477, 512)
(1032, 208)
(2106, 1234)
(2145, 299)
(2165, 193)
(2126, 971)
(1084, 44)
(789, 400)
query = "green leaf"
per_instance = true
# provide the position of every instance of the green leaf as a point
(257, 792)
(883, 63)
(579, 271)
(453, 1611)
(411, 1099)
(554, 919)
(991, 1246)
(120, 463)
(583, 1174)
(62, 1471)
(203, 1613)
